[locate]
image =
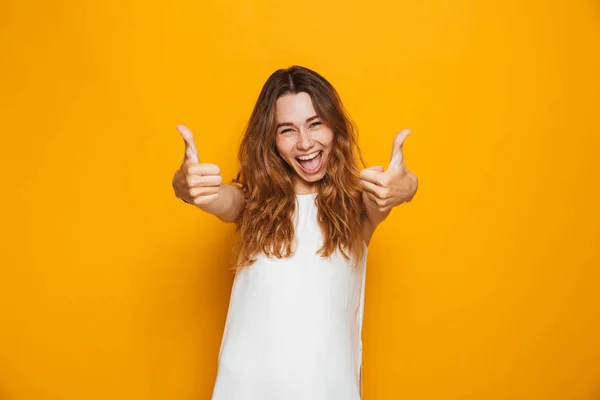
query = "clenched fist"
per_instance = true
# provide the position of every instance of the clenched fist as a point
(194, 182)
(397, 185)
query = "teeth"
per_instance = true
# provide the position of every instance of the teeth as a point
(310, 156)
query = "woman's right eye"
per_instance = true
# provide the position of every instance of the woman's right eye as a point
(286, 130)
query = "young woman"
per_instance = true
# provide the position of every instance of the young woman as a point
(304, 213)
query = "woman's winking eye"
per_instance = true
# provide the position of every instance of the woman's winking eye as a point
(312, 125)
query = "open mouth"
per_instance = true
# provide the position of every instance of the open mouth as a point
(312, 162)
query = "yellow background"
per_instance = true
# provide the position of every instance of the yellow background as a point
(484, 287)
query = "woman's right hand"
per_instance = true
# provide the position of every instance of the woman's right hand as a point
(194, 182)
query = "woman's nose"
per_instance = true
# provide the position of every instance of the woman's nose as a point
(305, 142)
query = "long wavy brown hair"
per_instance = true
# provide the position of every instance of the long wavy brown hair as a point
(265, 224)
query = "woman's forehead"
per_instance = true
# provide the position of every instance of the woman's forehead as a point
(297, 108)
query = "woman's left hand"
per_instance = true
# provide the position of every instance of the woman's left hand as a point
(397, 185)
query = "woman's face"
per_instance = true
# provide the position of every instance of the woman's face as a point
(301, 133)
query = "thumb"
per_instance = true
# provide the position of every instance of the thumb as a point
(191, 153)
(377, 168)
(397, 158)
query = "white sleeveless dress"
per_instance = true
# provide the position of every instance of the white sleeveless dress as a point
(293, 329)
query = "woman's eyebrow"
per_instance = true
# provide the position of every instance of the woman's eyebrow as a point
(284, 124)
(291, 124)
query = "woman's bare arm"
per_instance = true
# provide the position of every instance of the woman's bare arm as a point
(200, 185)
(229, 205)
(384, 190)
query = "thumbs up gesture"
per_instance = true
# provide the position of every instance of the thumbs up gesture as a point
(397, 185)
(194, 182)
